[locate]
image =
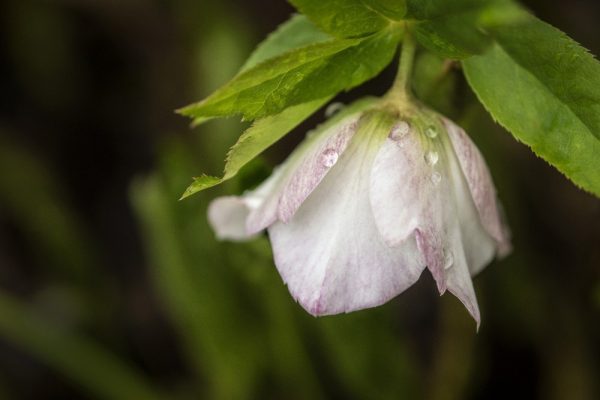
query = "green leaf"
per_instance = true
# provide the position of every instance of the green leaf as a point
(265, 133)
(430, 9)
(454, 36)
(565, 68)
(458, 29)
(527, 103)
(296, 32)
(262, 134)
(392, 9)
(309, 73)
(269, 130)
(265, 85)
(349, 18)
(200, 183)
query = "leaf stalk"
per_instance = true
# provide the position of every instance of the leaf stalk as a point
(400, 90)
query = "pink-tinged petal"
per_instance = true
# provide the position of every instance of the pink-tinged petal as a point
(330, 254)
(227, 216)
(408, 196)
(475, 241)
(431, 245)
(265, 212)
(409, 193)
(302, 172)
(398, 185)
(459, 279)
(313, 167)
(481, 186)
(417, 187)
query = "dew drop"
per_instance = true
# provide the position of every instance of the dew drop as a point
(399, 131)
(436, 178)
(329, 157)
(333, 108)
(431, 157)
(448, 259)
(431, 132)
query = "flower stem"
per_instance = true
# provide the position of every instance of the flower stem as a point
(401, 87)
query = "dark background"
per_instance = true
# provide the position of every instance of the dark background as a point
(110, 288)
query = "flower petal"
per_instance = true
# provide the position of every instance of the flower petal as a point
(227, 216)
(478, 245)
(398, 184)
(312, 168)
(481, 186)
(302, 172)
(458, 278)
(409, 196)
(417, 186)
(330, 254)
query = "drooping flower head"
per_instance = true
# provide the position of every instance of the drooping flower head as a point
(367, 202)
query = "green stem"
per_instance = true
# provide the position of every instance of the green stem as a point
(401, 86)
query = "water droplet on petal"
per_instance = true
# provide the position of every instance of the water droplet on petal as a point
(399, 131)
(329, 157)
(448, 259)
(431, 132)
(436, 178)
(333, 108)
(431, 157)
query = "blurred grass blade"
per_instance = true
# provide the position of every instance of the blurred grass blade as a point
(199, 292)
(85, 363)
(32, 196)
(359, 344)
(289, 354)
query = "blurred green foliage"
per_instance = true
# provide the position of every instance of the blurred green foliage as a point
(83, 314)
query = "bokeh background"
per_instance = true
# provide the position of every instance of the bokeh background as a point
(110, 288)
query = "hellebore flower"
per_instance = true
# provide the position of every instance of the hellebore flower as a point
(367, 202)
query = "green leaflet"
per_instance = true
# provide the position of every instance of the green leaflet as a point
(295, 71)
(392, 9)
(565, 68)
(262, 134)
(265, 132)
(458, 29)
(200, 183)
(296, 32)
(430, 9)
(266, 84)
(350, 18)
(454, 36)
(526, 103)
(312, 72)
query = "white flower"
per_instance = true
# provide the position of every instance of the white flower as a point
(364, 205)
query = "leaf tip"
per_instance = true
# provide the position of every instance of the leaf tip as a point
(200, 183)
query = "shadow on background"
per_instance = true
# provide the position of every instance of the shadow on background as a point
(111, 288)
